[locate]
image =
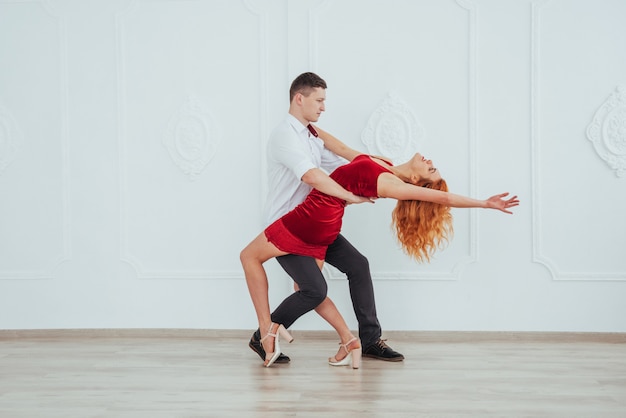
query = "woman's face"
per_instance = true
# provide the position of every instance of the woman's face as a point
(423, 168)
(313, 104)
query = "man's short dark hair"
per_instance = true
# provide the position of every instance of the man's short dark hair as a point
(304, 83)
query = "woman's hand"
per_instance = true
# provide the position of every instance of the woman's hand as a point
(498, 202)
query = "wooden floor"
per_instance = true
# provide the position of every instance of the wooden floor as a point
(162, 373)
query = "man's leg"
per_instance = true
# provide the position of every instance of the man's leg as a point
(355, 265)
(312, 291)
(312, 288)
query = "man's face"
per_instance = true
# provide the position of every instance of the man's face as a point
(313, 104)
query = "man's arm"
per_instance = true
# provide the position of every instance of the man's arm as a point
(285, 149)
(336, 146)
(319, 180)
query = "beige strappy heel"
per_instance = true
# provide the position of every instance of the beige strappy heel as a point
(274, 331)
(353, 356)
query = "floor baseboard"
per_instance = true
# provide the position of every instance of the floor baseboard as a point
(417, 336)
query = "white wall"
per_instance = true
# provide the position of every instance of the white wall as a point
(132, 159)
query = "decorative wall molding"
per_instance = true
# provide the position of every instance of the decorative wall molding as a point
(332, 273)
(376, 135)
(315, 18)
(536, 173)
(14, 137)
(607, 131)
(262, 15)
(393, 130)
(11, 137)
(120, 30)
(191, 137)
(472, 106)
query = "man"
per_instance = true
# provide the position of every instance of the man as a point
(296, 157)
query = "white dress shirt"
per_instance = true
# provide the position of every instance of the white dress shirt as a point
(292, 151)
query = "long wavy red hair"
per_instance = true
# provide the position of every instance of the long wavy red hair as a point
(423, 227)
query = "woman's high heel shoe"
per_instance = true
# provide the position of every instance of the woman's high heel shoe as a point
(274, 331)
(353, 356)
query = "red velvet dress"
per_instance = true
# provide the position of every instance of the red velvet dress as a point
(314, 224)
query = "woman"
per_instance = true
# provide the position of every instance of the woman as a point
(422, 221)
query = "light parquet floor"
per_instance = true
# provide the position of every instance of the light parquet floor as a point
(156, 374)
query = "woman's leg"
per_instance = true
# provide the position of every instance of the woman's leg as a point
(252, 258)
(330, 313)
(328, 310)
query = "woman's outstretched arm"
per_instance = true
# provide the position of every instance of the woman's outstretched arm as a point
(391, 186)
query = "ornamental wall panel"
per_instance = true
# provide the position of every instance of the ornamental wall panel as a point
(579, 192)
(402, 82)
(186, 138)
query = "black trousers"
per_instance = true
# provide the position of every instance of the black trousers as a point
(313, 288)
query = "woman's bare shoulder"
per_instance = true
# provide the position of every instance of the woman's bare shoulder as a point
(381, 161)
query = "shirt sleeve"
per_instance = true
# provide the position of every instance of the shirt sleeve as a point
(286, 148)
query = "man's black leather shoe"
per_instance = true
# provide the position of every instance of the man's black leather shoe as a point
(256, 346)
(381, 351)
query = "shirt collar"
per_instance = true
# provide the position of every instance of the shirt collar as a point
(297, 125)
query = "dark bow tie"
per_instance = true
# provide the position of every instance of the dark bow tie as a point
(312, 130)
